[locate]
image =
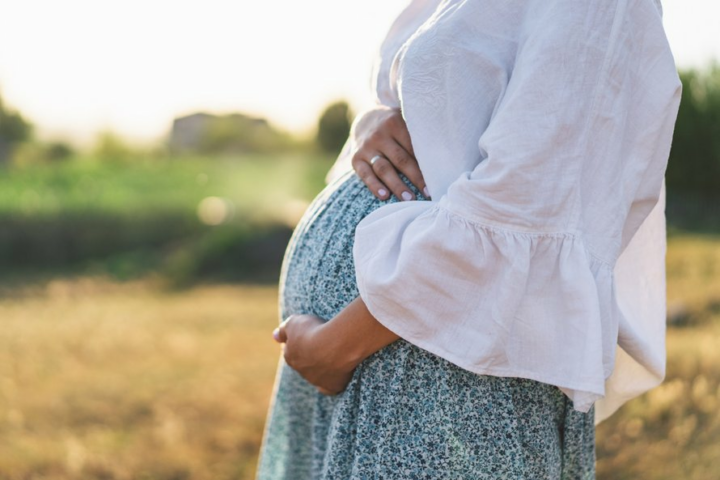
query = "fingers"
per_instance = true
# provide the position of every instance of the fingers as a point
(366, 173)
(407, 164)
(382, 177)
(404, 159)
(280, 334)
(383, 131)
(387, 173)
(401, 134)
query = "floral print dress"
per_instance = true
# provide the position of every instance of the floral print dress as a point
(406, 413)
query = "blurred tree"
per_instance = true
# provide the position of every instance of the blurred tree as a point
(694, 164)
(109, 147)
(58, 151)
(35, 153)
(14, 129)
(334, 127)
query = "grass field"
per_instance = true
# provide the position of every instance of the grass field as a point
(186, 216)
(100, 380)
(107, 380)
(144, 186)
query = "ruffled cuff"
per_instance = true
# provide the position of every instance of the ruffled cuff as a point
(490, 300)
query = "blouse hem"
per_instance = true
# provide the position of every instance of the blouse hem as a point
(577, 296)
(583, 406)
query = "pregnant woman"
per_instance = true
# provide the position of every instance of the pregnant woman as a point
(482, 279)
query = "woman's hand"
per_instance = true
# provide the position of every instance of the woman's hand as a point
(326, 354)
(314, 355)
(381, 146)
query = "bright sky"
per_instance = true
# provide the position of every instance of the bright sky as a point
(75, 67)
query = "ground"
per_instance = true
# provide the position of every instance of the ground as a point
(101, 379)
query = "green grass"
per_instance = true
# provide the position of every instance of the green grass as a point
(158, 184)
(142, 215)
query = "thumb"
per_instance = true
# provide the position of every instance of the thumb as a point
(279, 334)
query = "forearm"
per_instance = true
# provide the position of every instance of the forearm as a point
(355, 333)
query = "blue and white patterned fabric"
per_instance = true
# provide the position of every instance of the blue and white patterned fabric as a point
(406, 413)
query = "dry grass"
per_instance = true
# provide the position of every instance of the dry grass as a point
(673, 432)
(107, 381)
(100, 380)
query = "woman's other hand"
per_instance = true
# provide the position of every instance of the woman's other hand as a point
(312, 355)
(381, 147)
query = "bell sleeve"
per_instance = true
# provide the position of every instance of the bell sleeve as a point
(510, 271)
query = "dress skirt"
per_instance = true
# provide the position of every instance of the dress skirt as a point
(406, 413)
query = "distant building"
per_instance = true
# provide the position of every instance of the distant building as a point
(187, 131)
(206, 133)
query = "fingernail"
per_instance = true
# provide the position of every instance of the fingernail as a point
(276, 334)
(406, 195)
(382, 192)
(426, 192)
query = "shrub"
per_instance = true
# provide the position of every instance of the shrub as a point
(334, 127)
(14, 129)
(110, 147)
(35, 153)
(695, 157)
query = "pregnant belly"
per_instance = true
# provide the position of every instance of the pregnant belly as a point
(318, 272)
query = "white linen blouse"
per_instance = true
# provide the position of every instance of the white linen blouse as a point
(542, 129)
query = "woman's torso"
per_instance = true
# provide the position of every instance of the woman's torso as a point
(426, 49)
(319, 254)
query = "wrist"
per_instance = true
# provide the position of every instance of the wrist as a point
(344, 349)
(353, 335)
